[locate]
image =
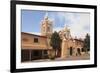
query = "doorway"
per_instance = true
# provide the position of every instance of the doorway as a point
(71, 51)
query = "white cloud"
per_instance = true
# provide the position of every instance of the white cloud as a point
(36, 33)
(79, 23)
(57, 29)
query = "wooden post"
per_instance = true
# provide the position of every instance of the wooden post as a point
(30, 54)
(42, 54)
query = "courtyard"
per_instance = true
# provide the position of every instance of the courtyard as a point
(69, 58)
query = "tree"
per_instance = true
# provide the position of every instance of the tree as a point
(55, 41)
(86, 45)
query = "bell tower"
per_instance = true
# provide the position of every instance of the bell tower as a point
(46, 26)
(66, 31)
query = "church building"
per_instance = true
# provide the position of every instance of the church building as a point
(35, 47)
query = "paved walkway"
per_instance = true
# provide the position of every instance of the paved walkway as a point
(82, 57)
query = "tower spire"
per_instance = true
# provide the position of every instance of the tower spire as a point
(46, 27)
(65, 27)
(46, 15)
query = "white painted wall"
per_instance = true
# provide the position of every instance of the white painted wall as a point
(5, 36)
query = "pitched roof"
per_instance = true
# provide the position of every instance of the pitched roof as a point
(33, 34)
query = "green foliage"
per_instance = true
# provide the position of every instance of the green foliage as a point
(87, 43)
(55, 41)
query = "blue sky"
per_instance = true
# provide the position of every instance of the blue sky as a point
(78, 23)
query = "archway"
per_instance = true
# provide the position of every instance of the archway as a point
(78, 51)
(71, 51)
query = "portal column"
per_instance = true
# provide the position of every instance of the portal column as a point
(64, 49)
